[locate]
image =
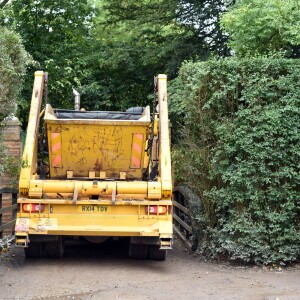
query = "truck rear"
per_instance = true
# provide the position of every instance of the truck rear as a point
(96, 174)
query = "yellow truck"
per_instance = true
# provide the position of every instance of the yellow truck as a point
(103, 174)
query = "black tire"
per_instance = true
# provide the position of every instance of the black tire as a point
(34, 250)
(156, 254)
(138, 251)
(55, 249)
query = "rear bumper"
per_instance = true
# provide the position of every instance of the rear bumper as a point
(104, 219)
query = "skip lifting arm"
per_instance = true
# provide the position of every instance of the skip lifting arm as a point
(164, 138)
(29, 160)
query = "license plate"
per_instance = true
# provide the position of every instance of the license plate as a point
(93, 209)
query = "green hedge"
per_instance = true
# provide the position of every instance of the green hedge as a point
(13, 61)
(239, 150)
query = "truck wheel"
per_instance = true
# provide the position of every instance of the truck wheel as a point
(138, 251)
(34, 250)
(55, 249)
(156, 254)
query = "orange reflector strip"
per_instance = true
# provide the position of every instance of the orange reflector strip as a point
(136, 151)
(56, 150)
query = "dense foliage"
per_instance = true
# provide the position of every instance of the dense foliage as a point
(240, 151)
(110, 50)
(57, 35)
(13, 60)
(261, 27)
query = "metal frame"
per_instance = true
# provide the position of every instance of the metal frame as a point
(182, 217)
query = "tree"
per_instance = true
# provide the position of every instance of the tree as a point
(263, 26)
(2, 3)
(134, 40)
(111, 52)
(195, 21)
(57, 35)
(13, 63)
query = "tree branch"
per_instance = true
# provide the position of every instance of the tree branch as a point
(2, 3)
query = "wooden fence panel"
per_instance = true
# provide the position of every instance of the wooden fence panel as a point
(8, 211)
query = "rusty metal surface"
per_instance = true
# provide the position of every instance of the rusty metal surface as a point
(107, 146)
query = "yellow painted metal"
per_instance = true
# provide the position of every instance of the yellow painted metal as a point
(92, 174)
(146, 157)
(155, 126)
(154, 190)
(123, 200)
(123, 175)
(39, 187)
(118, 220)
(96, 182)
(69, 174)
(164, 137)
(29, 159)
(110, 146)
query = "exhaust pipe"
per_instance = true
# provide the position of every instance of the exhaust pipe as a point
(76, 100)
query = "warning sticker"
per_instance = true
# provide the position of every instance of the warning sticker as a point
(46, 224)
(22, 224)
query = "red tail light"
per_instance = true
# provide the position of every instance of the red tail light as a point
(33, 207)
(156, 210)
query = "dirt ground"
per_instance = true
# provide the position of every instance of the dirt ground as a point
(105, 272)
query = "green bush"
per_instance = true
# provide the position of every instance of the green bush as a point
(13, 61)
(240, 150)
